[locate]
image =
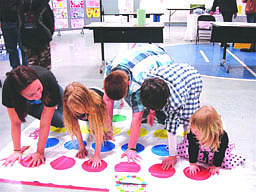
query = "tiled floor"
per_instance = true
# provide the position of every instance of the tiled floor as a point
(76, 58)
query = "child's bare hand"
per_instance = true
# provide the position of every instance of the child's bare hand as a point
(35, 159)
(193, 169)
(131, 155)
(95, 161)
(214, 170)
(108, 135)
(82, 153)
(15, 156)
(169, 162)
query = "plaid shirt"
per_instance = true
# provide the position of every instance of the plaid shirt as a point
(136, 63)
(185, 87)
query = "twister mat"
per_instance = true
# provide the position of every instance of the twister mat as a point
(63, 170)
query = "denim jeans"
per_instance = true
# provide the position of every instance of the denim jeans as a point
(11, 40)
(251, 18)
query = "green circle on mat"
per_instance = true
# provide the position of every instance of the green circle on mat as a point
(118, 118)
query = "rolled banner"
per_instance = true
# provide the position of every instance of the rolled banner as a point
(141, 16)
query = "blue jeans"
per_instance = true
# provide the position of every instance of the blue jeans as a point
(251, 18)
(11, 40)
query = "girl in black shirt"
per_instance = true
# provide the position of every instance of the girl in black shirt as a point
(206, 131)
(86, 104)
(22, 87)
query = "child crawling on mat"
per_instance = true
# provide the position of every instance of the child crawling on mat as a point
(206, 132)
(80, 103)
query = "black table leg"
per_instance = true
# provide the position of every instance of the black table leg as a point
(223, 62)
(102, 57)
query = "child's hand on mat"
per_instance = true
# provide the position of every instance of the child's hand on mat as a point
(169, 162)
(131, 155)
(95, 161)
(193, 169)
(36, 159)
(82, 153)
(108, 136)
(15, 156)
(213, 170)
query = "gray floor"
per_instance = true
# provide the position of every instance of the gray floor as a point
(76, 58)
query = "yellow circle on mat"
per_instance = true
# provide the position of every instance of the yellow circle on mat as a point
(58, 129)
(161, 133)
(116, 131)
(84, 129)
(143, 132)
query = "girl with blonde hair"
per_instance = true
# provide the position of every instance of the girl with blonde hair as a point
(206, 131)
(80, 103)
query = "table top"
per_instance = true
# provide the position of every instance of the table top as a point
(135, 13)
(234, 24)
(123, 25)
(181, 9)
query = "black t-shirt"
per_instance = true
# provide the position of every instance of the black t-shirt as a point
(49, 83)
(193, 149)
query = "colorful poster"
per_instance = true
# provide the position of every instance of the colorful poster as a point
(76, 13)
(93, 3)
(60, 13)
(76, 4)
(60, 4)
(61, 23)
(92, 12)
(77, 23)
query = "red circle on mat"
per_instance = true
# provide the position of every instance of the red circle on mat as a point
(63, 163)
(127, 167)
(203, 174)
(157, 171)
(25, 163)
(88, 166)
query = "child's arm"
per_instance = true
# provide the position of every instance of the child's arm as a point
(172, 159)
(219, 156)
(193, 147)
(45, 122)
(96, 159)
(82, 153)
(15, 131)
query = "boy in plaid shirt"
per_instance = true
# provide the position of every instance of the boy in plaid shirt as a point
(175, 92)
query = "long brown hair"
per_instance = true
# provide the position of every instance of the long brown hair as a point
(17, 80)
(77, 95)
(208, 123)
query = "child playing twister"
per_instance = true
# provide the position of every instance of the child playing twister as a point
(206, 131)
(80, 103)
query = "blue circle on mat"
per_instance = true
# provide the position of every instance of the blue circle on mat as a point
(51, 142)
(160, 150)
(73, 144)
(106, 146)
(139, 147)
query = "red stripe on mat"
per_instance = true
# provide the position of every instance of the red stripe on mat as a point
(36, 183)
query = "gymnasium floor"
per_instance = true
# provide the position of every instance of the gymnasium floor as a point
(76, 58)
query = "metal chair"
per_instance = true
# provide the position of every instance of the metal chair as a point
(204, 27)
